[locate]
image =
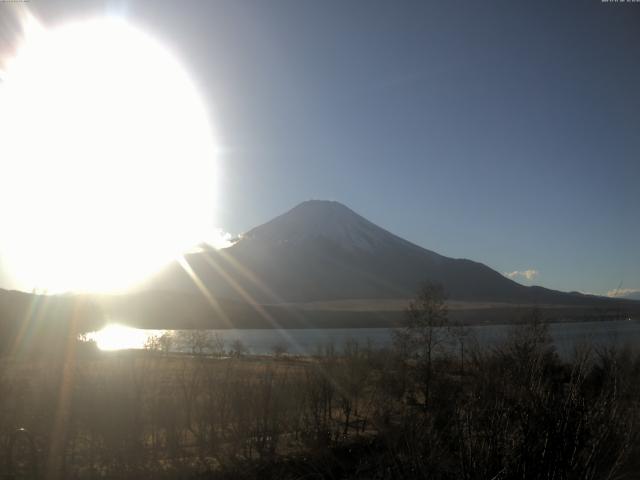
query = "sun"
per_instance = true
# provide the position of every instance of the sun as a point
(107, 158)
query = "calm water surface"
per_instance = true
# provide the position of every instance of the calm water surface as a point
(310, 341)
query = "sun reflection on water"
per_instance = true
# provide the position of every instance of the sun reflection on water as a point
(115, 336)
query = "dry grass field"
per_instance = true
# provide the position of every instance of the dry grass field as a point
(516, 411)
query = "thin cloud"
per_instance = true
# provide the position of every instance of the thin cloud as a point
(219, 238)
(526, 274)
(216, 238)
(624, 293)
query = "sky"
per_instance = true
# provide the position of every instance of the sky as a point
(504, 132)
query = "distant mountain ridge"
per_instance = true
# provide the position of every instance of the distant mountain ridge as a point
(322, 251)
(319, 265)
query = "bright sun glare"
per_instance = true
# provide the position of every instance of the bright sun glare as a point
(121, 337)
(107, 158)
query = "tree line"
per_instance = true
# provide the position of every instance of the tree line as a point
(434, 405)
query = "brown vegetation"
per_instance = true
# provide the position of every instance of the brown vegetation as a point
(431, 407)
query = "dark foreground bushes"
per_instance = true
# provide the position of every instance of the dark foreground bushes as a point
(512, 412)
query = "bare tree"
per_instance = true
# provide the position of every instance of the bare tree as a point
(424, 331)
(279, 350)
(166, 342)
(217, 344)
(461, 336)
(238, 348)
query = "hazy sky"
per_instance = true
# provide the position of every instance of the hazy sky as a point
(505, 132)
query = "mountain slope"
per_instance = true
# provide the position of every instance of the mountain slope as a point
(320, 265)
(322, 250)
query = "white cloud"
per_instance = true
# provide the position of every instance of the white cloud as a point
(624, 293)
(527, 274)
(218, 238)
(215, 238)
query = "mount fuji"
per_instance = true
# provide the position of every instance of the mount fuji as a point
(319, 265)
(322, 251)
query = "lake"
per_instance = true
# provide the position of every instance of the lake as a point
(309, 341)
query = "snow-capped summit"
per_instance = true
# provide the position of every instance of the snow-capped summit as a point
(322, 250)
(322, 220)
